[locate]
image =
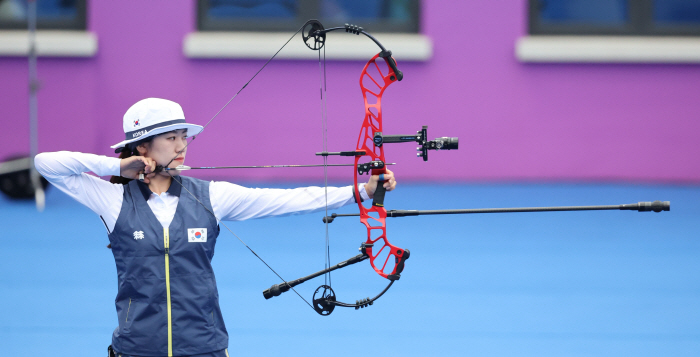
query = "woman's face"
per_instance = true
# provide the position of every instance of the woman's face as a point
(165, 147)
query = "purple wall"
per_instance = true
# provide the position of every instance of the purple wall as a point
(515, 121)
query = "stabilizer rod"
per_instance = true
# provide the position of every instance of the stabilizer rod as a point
(656, 206)
(277, 289)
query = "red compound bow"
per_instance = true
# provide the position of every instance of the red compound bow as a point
(387, 259)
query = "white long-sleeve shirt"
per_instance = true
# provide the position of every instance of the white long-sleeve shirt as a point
(68, 172)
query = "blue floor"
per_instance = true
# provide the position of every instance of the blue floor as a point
(610, 283)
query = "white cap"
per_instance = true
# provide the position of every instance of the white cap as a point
(153, 116)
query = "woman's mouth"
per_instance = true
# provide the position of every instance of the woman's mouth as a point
(180, 159)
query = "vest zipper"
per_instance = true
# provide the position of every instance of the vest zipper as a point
(127, 311)
(166, 242)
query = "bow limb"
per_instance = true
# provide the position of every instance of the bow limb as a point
(326, 301)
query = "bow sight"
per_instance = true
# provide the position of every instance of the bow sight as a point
(444, 143)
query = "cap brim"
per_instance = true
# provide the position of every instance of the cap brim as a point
(192, 130)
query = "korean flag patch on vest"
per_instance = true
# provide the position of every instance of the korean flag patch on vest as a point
(197, 235)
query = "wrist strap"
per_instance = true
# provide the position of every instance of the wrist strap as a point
(354, 197)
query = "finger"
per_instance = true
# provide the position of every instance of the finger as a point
(142, 163)
(137, 163)
(150, 165)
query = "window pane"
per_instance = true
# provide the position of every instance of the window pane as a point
(253, 8)
(50, 13)
(593, 12)
(397, 11)
(288, 15)
(677, 12)
(46, 9)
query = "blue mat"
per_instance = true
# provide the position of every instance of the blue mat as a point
(604, 283)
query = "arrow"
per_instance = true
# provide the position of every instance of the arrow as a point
(184, 167)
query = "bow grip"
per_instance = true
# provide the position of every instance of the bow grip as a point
(379, 192)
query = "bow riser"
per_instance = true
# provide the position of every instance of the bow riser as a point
(387, 264)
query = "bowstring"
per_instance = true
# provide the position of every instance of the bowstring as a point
(239, 239)
(202, 204)
(324, 122)
(235, 95)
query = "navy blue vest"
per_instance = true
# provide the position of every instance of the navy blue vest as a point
(167, 302)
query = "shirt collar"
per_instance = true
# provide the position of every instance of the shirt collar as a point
(174, 189)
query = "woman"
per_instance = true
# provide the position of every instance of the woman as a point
(162, 233)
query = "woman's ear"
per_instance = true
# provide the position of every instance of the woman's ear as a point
(143, 148)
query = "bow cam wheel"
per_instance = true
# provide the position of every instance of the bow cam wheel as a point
(313, 35)
(324, 303)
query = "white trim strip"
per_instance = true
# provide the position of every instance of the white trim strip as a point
(339, 46)
(608, 49)
(16, 165)
(15, 43)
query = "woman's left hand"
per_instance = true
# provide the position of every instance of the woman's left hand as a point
(389, 183)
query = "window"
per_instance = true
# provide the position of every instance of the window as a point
(288, 15)
(615, 17)
(51, 14)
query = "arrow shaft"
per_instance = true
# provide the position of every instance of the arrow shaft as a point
(183, 167)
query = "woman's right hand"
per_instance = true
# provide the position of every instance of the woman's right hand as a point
(132, 166)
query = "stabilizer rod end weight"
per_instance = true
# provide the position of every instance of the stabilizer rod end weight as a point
(656, 206)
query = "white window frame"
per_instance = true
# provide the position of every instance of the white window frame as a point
(607, 49)
(49, 43)
(339, 46)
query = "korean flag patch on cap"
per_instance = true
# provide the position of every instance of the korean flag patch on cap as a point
(197, 235)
